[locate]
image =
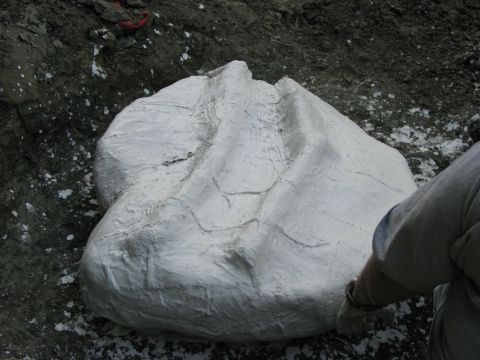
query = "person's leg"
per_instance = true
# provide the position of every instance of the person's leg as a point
(435, 341)
(439, 296)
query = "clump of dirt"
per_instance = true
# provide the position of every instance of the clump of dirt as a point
(407, 72)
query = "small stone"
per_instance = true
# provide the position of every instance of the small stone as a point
(473, 126)
(103, 34)
(127, 41)
(40, 29)
(51, 51)
(57, 44)
(24, 37)
(326, 45)
(407, 78)
(108, 11)
(322, 64)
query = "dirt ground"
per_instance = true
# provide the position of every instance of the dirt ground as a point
(406, 71)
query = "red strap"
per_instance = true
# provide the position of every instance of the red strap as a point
(128, 24)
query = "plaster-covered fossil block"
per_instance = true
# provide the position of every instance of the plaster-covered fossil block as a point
(237, 210)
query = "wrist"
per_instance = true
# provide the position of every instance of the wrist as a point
(352, 301)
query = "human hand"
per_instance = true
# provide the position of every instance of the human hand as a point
(354, 319)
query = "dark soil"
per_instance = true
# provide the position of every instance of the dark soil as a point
(406, 71)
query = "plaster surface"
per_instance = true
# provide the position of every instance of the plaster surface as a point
(236, 210)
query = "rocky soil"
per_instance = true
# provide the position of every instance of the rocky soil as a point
(405, 71)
